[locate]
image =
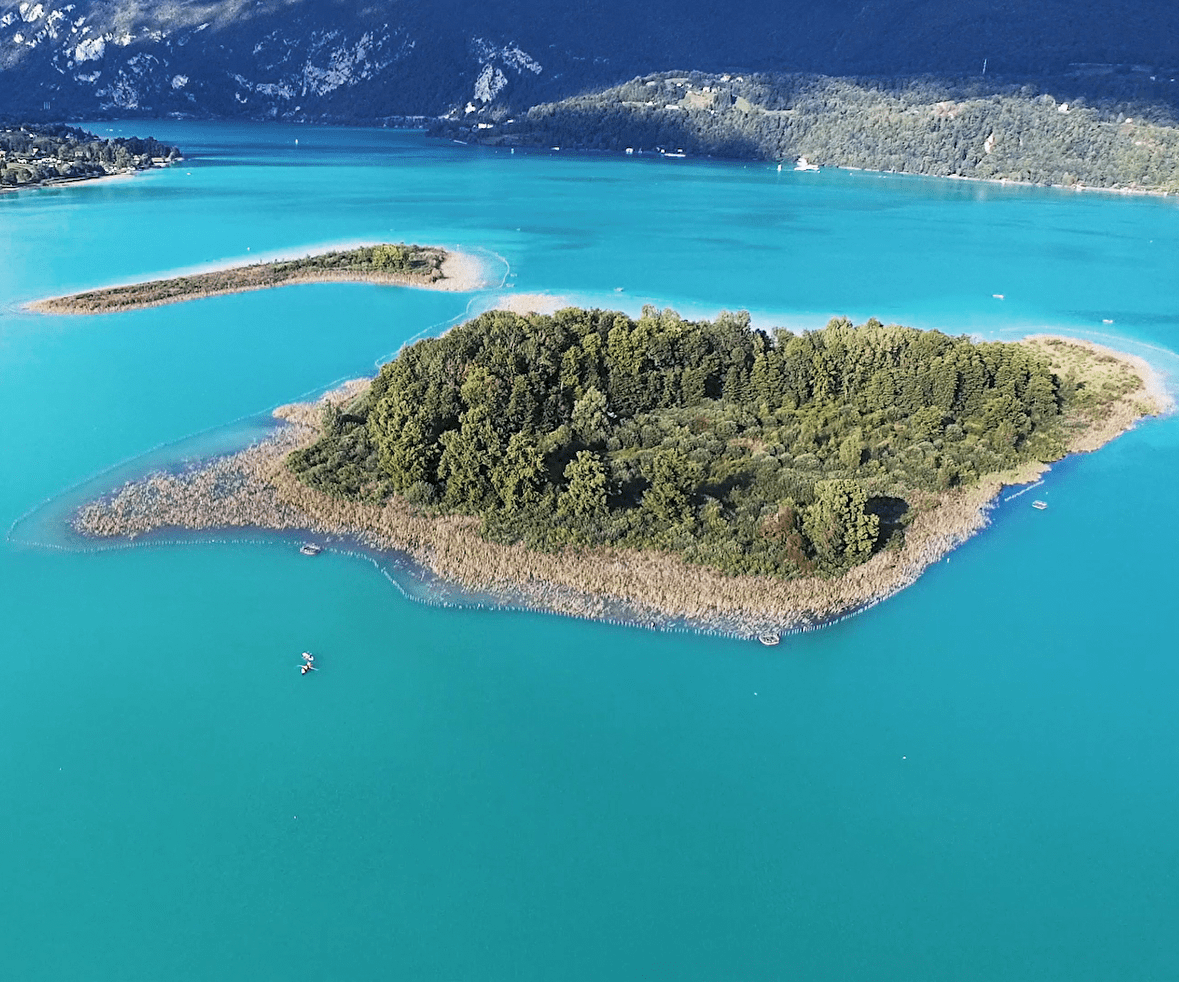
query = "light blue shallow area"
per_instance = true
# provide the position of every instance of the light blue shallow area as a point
(978, 779)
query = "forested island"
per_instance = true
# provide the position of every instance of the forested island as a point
(971, 129)
(31, 156)
(384, 263)
(660, 469)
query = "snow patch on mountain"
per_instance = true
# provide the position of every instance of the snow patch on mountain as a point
(275, 91)
(517, 58)
(122, 93)
(509, 54)
(490, 83)
(291, 58)
(347, 64)
(494, 62)
(91, 49)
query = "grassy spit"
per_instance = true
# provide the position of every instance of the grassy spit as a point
(253, 488)
(393, 265)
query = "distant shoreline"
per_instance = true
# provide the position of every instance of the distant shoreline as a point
(1000, 181)
(433, 268)
(58, 182)
(254, 488)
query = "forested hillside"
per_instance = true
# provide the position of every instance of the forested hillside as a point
(919, 126)
(783, 454)
(330, 60)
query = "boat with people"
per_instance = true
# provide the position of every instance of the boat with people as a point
(308, 663)
(769, 640)
(310, 549)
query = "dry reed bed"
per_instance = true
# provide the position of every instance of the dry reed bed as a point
(253, 488)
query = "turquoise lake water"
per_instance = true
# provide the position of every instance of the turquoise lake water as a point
(976, 780)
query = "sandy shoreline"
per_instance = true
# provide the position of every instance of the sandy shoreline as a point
(533, 303)
(253, 489)
(1008, 182)
(461, 273)
(62, 182)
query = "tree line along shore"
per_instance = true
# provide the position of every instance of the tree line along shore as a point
(661, 470)
(44, 154)
(384, 263)
(919, 125)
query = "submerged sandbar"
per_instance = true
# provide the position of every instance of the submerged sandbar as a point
(427, 267)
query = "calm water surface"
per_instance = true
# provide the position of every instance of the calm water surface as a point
(976, 780)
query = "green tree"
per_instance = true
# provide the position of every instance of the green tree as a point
(390, 257)
(674, 477)
(851, 450)
(519, 477)
(585, 494)
(841, 531)
(589, 420)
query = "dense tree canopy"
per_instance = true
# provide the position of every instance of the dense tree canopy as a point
(784, 453)
(928, 126)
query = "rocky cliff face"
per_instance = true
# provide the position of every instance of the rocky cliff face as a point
(274, 59)
(335, 60)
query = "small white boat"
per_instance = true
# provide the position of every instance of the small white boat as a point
(310, 549)
(769, 640)
(1039, 505)
(997, 296)
(803, 164)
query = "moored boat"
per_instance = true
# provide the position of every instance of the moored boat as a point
(1040, 505)
(769, 640)
(310, 549)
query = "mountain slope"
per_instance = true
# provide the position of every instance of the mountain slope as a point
(328, 59)
(923, 125)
